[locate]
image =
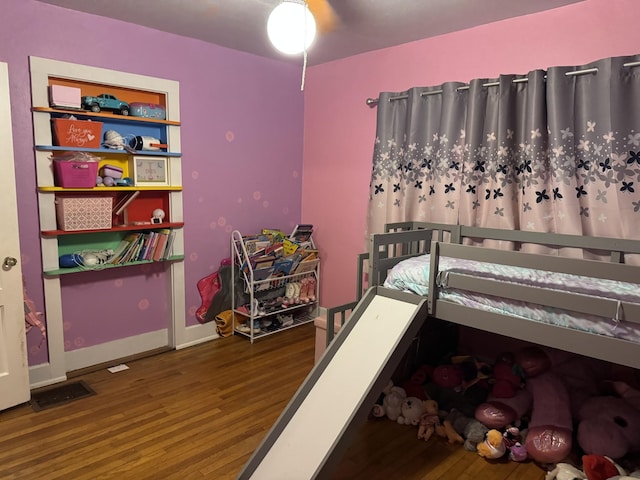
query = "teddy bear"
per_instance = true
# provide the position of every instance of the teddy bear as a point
(411, 411)
(391, 406)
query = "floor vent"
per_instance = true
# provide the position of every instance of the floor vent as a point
(52, 397)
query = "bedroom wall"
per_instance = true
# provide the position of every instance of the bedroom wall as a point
(340, 128)
(242, 136)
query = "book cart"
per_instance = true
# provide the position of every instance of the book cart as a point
(280, 277)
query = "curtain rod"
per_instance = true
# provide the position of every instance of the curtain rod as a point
(373, 102)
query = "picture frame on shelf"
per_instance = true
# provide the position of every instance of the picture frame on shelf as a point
(150, 171)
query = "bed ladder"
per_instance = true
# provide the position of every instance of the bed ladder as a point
(314, 430)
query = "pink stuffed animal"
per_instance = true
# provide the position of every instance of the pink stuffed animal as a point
(610, 425)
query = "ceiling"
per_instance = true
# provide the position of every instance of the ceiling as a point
(363, 25)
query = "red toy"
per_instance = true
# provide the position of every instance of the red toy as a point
(597, 467)
(507, 377)
(415, 385)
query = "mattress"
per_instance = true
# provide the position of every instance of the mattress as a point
(412, 275)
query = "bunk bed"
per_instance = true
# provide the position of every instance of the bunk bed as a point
(418, 272)
(588, 305)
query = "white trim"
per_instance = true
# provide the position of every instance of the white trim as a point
(41, 376)
(117, 349)
(197, 334)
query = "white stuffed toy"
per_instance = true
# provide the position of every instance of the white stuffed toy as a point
(412, 410)
(391, 403)
(565, 471)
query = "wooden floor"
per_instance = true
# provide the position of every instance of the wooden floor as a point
(200, 413)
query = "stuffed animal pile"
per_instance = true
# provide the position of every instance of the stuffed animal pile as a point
(534, 404)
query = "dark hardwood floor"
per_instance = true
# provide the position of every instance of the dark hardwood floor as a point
(200, 413)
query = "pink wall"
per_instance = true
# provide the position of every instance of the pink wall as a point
(340, 128)
(242, 130)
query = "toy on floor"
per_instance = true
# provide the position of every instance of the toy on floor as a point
(507, 376)
(610, 425)
(470, 429)
(414, 386)
(500, 412)
(595, 467)
(549, 439)
(430, 423)
(391, 406)
(565, 471)
(447, 430)
(599, 467)
(493, 446)
(463, 372)
(428, 420)
(411, 411)
(513, 440)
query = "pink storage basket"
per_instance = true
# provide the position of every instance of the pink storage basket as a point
(71, 174)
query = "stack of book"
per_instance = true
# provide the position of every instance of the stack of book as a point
(273, 254)
(144, 246)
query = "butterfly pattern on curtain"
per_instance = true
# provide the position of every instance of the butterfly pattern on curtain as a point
(551, 151)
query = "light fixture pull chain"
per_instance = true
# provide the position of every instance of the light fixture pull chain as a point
(304, 69)
(304, 49)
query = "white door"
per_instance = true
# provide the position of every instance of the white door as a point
(14, 372)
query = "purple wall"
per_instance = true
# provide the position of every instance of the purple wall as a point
(242, 130)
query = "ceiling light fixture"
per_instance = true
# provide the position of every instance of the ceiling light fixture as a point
(291, 27)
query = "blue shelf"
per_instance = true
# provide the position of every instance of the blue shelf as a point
(52, 148)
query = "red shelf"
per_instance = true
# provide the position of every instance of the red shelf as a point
(123, 228)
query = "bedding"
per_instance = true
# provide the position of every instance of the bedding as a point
(412, 275)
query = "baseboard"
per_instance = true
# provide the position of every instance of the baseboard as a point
(117, 349)
(40, 376)
(118, 361)
(197, 334)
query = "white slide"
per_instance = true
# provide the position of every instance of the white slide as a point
(310, 436)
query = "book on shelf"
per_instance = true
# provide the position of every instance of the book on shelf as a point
(284, 266)
(169, 247)
(121, 248)
(302, 233)
(277, 236)
(307, 266)
(132, 252)
(158, 252)
(144, 247)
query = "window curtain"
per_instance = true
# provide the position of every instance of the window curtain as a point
(549, 151)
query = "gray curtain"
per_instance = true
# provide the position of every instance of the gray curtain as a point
(547, 151)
